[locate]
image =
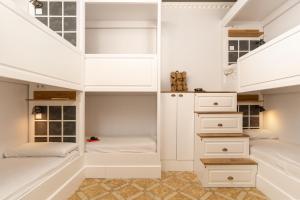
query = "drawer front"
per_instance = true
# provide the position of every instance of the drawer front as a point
(216, 102)
(226, 148)
(216, 123)
(231, 178)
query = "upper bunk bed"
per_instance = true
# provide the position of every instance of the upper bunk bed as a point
(32, 52)
(273, 64)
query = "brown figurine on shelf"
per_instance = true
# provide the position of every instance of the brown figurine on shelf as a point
(178, 81)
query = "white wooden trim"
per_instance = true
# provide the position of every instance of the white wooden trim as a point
(236, 8)
(198, 5)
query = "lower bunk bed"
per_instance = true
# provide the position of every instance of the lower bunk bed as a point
(34, 173)
(122, 157)
(278, 168)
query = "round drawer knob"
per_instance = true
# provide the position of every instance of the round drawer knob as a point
(224, 149)
(216, 103)
(220, 125)
(173, 95)
(230, 178)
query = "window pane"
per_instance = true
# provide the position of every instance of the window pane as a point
(56, 8)
(70, 139)
(56, 23)
(69, 112)
(244, 109)
(54, 112)
(40, 128)
(245, 122)
(40, 139)
(254, 109)
(244, 45)
(55, 128)
(55, 139)
(69, 128)
(254, 121)
(70, 8)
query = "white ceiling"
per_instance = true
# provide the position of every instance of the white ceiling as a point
(252, 12)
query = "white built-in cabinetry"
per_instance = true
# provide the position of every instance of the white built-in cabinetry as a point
(122, 46)
(177, 131)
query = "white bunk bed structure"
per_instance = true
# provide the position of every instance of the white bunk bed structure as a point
(271, 66)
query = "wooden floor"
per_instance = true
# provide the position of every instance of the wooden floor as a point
(172, 186)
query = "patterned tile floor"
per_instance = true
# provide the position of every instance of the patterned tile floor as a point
(172, 186)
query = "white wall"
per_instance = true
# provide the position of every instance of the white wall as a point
(120, 115)
(283, 115)
(192, 42)
(13, 115)
(23, 4)
(283, 23)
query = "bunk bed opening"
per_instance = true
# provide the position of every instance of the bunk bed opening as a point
(123, 122)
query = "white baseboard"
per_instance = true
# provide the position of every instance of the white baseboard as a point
(175, 165)
(122, 171)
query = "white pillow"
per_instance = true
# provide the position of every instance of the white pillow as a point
(261, 134)
(41, 149)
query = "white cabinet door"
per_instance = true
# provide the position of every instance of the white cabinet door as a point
(168, 126)
(185, 126)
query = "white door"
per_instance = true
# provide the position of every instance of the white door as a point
(168, 126)
(185, 126)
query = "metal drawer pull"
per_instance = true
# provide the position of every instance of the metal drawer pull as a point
(173, 95)
(220, 125)
(224, 149)
(216, 103)
(181, 95)
(230, 178)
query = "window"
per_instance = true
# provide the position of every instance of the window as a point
(60, 16)
(251, 116)
(238, 48)
(57, 124)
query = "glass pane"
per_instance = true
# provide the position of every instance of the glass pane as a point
(70, 8)
(244, 45)
(40, 139)
(254, 44)
(244, 109)
(56, 23)
(242, 53)
(55, 128)
(70, 23)
(55, 139)
(44, 112)
(245, 122)
(233, 56)
(71, 37)
(56, 8)
(254, 109)
(232, 45)
(254, 121)
(40, 128)
(70, 139)
(69, 112)
(44, 20)
(54, 112)
(43, 10)
(69, 128)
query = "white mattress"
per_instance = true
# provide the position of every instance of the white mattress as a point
(122, 145)
(19, 175)
(282, 155)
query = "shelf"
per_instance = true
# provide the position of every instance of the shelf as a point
(245, 33)
(222, 135)
(228, 161)
(243, 10)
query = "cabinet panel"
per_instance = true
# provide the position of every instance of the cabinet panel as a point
(168, 126)
(215, 102)
(185, 127)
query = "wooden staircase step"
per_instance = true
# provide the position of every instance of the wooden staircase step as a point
(227, 161)
(222, 135)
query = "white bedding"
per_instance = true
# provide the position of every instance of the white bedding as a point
(282, 155)
(122, 145)
(18, 175)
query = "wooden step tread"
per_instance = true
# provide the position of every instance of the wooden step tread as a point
(222, 135)
(227, 161)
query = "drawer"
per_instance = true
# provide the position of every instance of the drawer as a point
(216, 102)
(229, 176)
(224, 148)
(219, 123)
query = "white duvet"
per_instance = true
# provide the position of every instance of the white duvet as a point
(18, 175)
(122, 144)
(284, 156)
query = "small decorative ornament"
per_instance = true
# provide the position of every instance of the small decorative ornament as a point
(178, 81)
